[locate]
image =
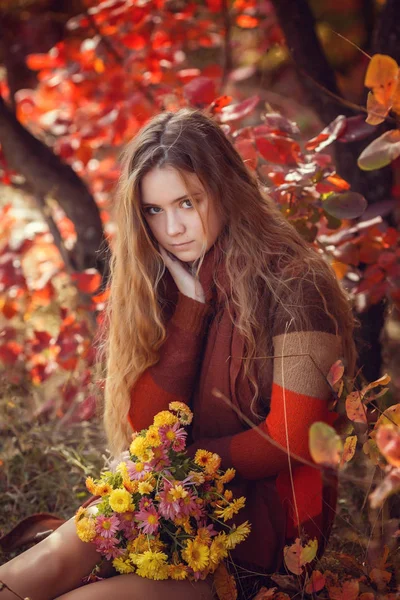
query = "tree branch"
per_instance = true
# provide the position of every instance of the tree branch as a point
(47, 175)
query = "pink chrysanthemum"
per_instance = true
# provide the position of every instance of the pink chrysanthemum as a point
(173, 436)
(137, 470)
(148, 520)
(107, 527)
(128, 525)
(108, 547)
(160, 459)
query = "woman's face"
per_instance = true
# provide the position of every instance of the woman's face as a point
(173, 220)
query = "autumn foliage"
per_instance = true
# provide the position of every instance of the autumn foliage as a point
(118, 66)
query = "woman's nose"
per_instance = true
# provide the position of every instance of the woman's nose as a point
(175, 225)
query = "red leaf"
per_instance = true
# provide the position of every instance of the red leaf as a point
(234, 112)
(247, 22)
(134, 41)
(327, 135)
(88, 281)
(276, 123)
(356, 129)
(219, 103)
(248, 152)
(9, 352)
(278, 149)
(200, 91)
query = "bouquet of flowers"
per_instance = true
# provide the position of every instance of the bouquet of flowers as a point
(162, 514)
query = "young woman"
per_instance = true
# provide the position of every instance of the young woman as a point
(211, 289)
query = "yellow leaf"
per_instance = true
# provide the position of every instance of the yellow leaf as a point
(225, 584)
(381, 77)
(384, 380)
(390, 415)
(296, 555)
(376, 111)
(349, 449)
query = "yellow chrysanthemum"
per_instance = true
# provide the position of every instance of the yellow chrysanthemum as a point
(185, 415)
(140, 448)
(227, 476)
(153, 437)
(122, 566)
(218, 549)
(81, 512)
(238, 534)
(165, 418)
(90, 485)
(177, 492)
(145, 487)
(122, 468)
(228, 495)
(230, 510)
(120, 501)
(209, 461)
(103, 488)
(151, 565)
(178, 572)
(185, 523)
(131, 486)
(141, 543)
(85, 528)
(197, 478)
(196, 555)
(203, 536)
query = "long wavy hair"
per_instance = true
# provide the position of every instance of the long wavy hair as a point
(261, 248)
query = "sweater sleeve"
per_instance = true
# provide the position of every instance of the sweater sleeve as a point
(299, 395)
(173, 376)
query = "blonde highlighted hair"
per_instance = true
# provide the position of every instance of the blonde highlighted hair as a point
(261, 250)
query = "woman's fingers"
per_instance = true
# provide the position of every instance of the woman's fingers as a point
(186, 283)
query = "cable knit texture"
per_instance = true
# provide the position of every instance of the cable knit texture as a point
(203, 351)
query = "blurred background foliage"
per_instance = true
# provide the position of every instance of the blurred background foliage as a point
(78, 78)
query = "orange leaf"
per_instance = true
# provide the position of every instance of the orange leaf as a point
(225, 584)
(347, 591)
(380, 577)
(265, 593)
(381, 77)
(247, 22)
(388, 442)
(297, 555)
(355, 409)
(315, 583)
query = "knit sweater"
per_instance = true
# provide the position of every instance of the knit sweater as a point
(203, 350)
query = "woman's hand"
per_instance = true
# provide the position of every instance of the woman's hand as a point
(186, 283)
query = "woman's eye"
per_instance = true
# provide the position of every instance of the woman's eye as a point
(187, 204)
(152, 210)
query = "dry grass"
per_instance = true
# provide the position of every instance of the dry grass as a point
(43, 464)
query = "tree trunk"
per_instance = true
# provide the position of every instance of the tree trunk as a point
(298, 24)
(47, 175)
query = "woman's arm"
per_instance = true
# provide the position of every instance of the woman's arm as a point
(299, 395)
(172, 378)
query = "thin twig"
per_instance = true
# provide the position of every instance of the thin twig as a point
(107, 44)
(227, 43)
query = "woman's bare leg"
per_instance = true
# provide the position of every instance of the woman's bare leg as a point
(133, 587)
(53, 567)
